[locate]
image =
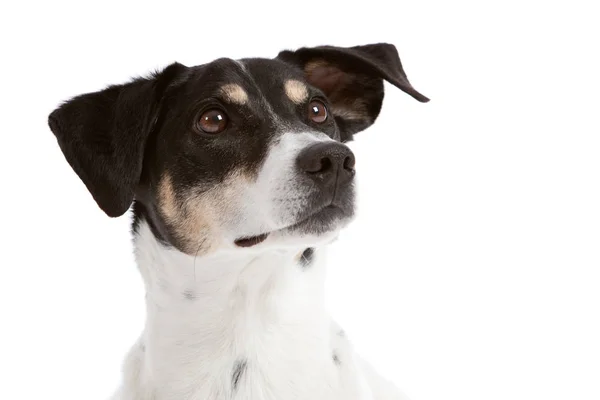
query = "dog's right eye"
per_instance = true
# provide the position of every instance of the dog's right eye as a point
(213, 121)
(317, 112)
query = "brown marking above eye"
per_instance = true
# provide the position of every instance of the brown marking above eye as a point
(317, 112)
(213, 121)
(234, 93)
(296, 91)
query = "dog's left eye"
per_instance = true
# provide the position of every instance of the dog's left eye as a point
(213, 121)
(317, 112)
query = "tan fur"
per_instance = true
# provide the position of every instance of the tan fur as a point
(296, 91)
(353, 111)
(312, 65)
(191, 225)
(168, 202)
(234, 93)
(195, 218)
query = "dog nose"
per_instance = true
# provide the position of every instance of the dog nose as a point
(327, 162)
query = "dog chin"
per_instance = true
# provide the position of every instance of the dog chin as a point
(329, 219)
(321, 225)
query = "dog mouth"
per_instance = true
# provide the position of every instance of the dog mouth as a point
(252, 240)
(316, 222)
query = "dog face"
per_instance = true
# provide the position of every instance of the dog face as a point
(232, 153)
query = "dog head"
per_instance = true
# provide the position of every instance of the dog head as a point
(232, 153)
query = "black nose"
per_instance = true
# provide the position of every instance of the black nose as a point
(327, 163)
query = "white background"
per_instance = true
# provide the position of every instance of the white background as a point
(473, 270)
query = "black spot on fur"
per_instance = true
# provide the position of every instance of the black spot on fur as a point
(189, 295)
(238, 371)
(341, 333)
(307, 257)
(336, 358)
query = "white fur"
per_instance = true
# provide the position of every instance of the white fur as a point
(271, 201)
(206, 314)
(254, 306)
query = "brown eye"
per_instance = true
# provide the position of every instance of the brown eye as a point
(213, 121)
(317, 112)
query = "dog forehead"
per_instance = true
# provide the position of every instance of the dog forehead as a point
(259, 95)
(275, 77)
(211, 77)
(248, 82)
(270, 72)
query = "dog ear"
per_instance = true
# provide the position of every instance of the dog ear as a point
(352, 79)
(103, 136)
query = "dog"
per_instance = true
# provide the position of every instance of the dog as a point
(238, 176)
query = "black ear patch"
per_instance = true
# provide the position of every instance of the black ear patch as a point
(352, 79)
(103, 136)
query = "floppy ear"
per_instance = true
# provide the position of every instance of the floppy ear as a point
(352, 79)
(103, 136)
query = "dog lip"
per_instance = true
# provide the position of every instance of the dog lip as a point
(251, 241)
(325, 214)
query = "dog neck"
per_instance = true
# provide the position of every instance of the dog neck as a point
(214, 320)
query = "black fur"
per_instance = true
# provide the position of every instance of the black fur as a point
(307, 257)
(103, 136)
(189, 295)
(238, 370)
(336, 358)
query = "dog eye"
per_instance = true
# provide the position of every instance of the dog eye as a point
(213, 121)
(317, 112)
